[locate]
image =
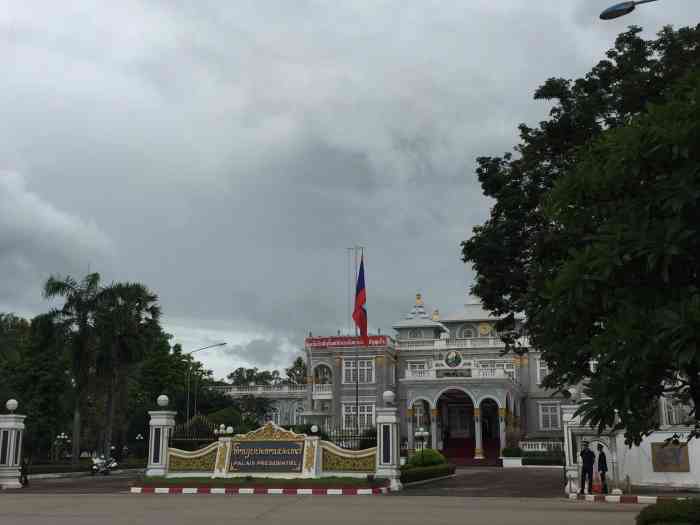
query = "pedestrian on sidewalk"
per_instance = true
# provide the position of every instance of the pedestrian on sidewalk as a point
(587, 461)
(602, 467)
(24, 472)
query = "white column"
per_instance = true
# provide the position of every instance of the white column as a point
(478, 446)
(572, 469)
(409, 420)
(161, 426)
(11, 433)
(433, 428)
(388, 446)
(502, 429)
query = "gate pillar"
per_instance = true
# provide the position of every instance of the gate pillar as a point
(388, 442)
(11, 430)
(161, 427)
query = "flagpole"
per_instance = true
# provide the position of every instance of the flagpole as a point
(357, 367)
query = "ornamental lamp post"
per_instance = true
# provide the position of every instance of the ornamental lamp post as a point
(421, 434)
(622, 9)
(189, 371)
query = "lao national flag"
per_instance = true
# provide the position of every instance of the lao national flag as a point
(359, 315)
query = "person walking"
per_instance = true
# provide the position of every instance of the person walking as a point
(24, 472)
(602, 467)
(587, 461)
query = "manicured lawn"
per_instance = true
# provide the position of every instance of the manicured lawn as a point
(260, 482)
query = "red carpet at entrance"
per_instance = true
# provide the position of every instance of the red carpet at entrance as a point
(460, 452)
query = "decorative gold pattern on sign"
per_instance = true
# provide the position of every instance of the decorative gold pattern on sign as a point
(336, 463)
(203, 463)
(309, 455)
(484, 329)
(223, 452)
(270, 432)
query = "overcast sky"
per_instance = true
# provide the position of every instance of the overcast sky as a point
(227, 153)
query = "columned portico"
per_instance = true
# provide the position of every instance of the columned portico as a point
(478, 441)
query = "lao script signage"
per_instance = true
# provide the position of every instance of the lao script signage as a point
(342, 341)
(266, 456)
(669, 457)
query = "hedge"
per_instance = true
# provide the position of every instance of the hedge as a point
(420, 473)
(549, 460)
(512, 452)
(426, 458)
(671, 512)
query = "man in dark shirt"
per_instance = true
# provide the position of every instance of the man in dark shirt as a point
(602, 467)
(587, 461)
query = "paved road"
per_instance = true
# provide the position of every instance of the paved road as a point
(101, 509)
(112, 484)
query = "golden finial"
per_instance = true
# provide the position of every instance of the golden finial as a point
(419, 299)
(436, 315)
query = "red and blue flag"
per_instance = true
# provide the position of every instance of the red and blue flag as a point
(359, 314)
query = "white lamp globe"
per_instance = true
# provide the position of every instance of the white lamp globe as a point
(11, 405)
(222, 427)
(314, 428)
(389, 397)
(229, 430)
(162, 400)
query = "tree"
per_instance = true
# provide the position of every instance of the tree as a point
(78, 317)
(627, 293)
(42, 380)
(14, 339)
(296, 374)
(124, 311)
(245, 376)
(519, 252)
(509, 252)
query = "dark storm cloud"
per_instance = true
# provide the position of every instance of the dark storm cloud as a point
(227, 153)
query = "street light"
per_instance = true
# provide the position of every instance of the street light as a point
(622, 9)
(189, 370)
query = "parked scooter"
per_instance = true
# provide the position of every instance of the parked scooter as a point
(103, 466)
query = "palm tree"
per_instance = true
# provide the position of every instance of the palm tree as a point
(78, 316)
(126, 314)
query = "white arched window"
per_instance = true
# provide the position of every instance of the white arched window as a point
(415, 334)
(273, 415)
(467, 332)
(296, 415)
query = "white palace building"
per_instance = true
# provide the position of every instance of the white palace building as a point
(450, 378)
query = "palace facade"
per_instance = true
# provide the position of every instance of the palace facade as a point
(450, 378)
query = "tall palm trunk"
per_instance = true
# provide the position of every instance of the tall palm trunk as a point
(75, 457)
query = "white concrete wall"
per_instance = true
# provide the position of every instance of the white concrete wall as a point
(636, 462)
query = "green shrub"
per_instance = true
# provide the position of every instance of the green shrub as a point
(545, 460)
(512, 452)
(671, 512)
(426, 458)
(409, 474)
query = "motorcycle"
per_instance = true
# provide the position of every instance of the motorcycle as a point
(103, 466)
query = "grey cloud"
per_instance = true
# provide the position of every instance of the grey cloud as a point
(232, 151)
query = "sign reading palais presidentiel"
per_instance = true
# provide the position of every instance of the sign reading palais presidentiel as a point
(344, 341)
(266, 456)
(269, 449)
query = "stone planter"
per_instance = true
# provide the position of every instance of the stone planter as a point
(512, 462)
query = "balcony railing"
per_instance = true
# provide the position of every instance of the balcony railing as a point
(323, 391)
(440, 344)
(260, 389)
(470, 373)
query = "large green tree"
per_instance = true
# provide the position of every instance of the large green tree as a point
(626, 296)
(296, 374)
(518, 252)
(124, 314)
(78, 317)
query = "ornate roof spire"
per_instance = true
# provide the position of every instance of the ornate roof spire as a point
(418, 310)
